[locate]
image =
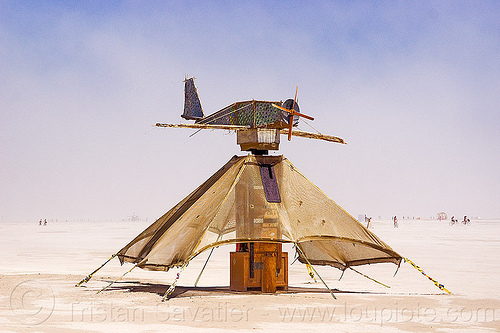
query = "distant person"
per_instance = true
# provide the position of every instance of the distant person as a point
(466, 220)
(40, 223)
(45, 222)
(368, 222)
(453, 221)
(395, 219)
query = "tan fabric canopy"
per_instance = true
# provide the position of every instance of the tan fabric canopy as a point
(229, 204)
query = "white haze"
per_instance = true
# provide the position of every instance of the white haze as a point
(413, 88)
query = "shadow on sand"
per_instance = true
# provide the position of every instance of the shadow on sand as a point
(189, 291)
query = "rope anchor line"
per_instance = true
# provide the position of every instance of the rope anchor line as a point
(366, 276)
(439, 285)
(109, 285)
(171, 289)
(88, 277)
(311, 272)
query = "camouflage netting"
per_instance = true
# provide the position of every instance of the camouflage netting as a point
(231, 207)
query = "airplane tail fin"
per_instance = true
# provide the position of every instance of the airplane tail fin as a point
(192, 105)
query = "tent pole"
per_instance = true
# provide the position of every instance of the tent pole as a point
(341, 275)
(109, 285)
(331, 292)
(88, 277)
(206, 262)
(397, 269)
(366, 276)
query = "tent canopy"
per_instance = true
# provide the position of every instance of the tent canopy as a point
(229, 205)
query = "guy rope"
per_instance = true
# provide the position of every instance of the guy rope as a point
(366, 276)
(439, 285)
(171, 289)
(109, 285)
(88, 277)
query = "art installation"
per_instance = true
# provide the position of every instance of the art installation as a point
(258, 202)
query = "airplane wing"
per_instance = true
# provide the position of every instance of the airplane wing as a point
(284, 131)
(310, 135)
(203, 126)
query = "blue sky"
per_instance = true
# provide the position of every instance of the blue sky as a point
(413, 87)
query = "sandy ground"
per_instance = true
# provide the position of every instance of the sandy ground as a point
(41, 265)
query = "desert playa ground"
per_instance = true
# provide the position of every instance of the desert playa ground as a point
(41, 265)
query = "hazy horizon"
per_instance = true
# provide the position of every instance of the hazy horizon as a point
(414, 89)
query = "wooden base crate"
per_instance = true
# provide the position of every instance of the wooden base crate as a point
(265, 276)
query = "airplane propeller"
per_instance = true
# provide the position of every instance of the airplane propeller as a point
(292, 112)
